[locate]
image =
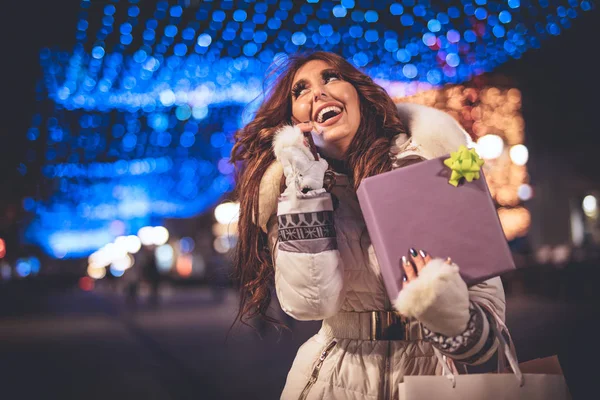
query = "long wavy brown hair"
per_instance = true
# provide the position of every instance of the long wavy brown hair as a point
(367, 155)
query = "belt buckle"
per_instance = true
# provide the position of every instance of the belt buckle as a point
(387, 325)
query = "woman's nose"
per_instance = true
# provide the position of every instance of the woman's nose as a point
(318, 93)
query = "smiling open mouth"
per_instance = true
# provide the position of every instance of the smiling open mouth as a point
(328, 113)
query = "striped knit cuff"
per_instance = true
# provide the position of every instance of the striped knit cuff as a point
(307, 226)
(469, 346)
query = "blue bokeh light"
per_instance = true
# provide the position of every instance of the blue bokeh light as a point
(98, 52)
(170, 31)
(505, 17)
(180, 49)
(340, 11)
(129, 190)
(434, 25)
(410, 71)
(514, 3)
(360, 59)
(453, 12)
(481, 13)
(204, 40)
(186, 244)
(176, 11)
(498, 31)
(109, 9)
(133, 11)
(240, 15)
(396, 9)
(174, 78)
(326, 30)
(219, 16)
(299, 38)
(419, 10)
(429, 39)
(452, 59)
(371, 16)
(470, 36)
(371, 36)
(23, 267)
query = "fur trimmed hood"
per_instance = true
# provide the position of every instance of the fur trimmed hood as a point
(431, 133)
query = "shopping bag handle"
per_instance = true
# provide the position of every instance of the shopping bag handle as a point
(446, 370)
(506, 351)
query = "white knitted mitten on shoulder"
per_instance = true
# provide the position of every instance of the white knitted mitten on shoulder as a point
(300, 168)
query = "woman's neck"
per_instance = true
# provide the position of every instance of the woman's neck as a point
(339, 166)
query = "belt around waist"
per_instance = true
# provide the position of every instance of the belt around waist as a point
(372, 325)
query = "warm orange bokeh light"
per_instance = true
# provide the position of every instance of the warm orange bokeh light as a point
(86, 283)
(184, 265)
(489, 110)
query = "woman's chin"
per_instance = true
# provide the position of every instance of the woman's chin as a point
(335, 134)
(333, 142)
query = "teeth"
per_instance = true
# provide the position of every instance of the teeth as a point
(327, 109)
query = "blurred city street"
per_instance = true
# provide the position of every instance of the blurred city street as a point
(177, 351)
(124, 199)
(92, 345)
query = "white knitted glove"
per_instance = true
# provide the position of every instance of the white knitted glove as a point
(438, 298)
(299, 166)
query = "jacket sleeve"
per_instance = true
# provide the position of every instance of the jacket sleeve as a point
(477, 343)
(309, 274)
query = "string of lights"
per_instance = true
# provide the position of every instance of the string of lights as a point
(135, 122)
(217, 52)
(130, 167)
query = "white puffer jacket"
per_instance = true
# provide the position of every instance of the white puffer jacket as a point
(326, 269)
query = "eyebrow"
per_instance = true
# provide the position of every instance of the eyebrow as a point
(329, 70)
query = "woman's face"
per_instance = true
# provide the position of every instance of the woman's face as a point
(332, 105)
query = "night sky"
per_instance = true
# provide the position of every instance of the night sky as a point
(558, 81)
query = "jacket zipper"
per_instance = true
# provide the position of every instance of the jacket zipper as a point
(316, 369)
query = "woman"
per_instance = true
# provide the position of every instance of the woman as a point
(312, 243)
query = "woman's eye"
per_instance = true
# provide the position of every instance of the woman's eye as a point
(299, 91)
(331, 77)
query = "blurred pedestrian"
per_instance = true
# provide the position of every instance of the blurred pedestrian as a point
(151, 274)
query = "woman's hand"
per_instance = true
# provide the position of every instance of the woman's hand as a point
(307, 129)
(433, 293)
(302, 170)
(414, 265)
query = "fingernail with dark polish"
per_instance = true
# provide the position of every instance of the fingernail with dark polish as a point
(413, 252)
(423, 253)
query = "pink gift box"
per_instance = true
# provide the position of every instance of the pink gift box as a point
(416, 207)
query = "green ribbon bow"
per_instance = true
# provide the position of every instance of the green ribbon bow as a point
(464, 163)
